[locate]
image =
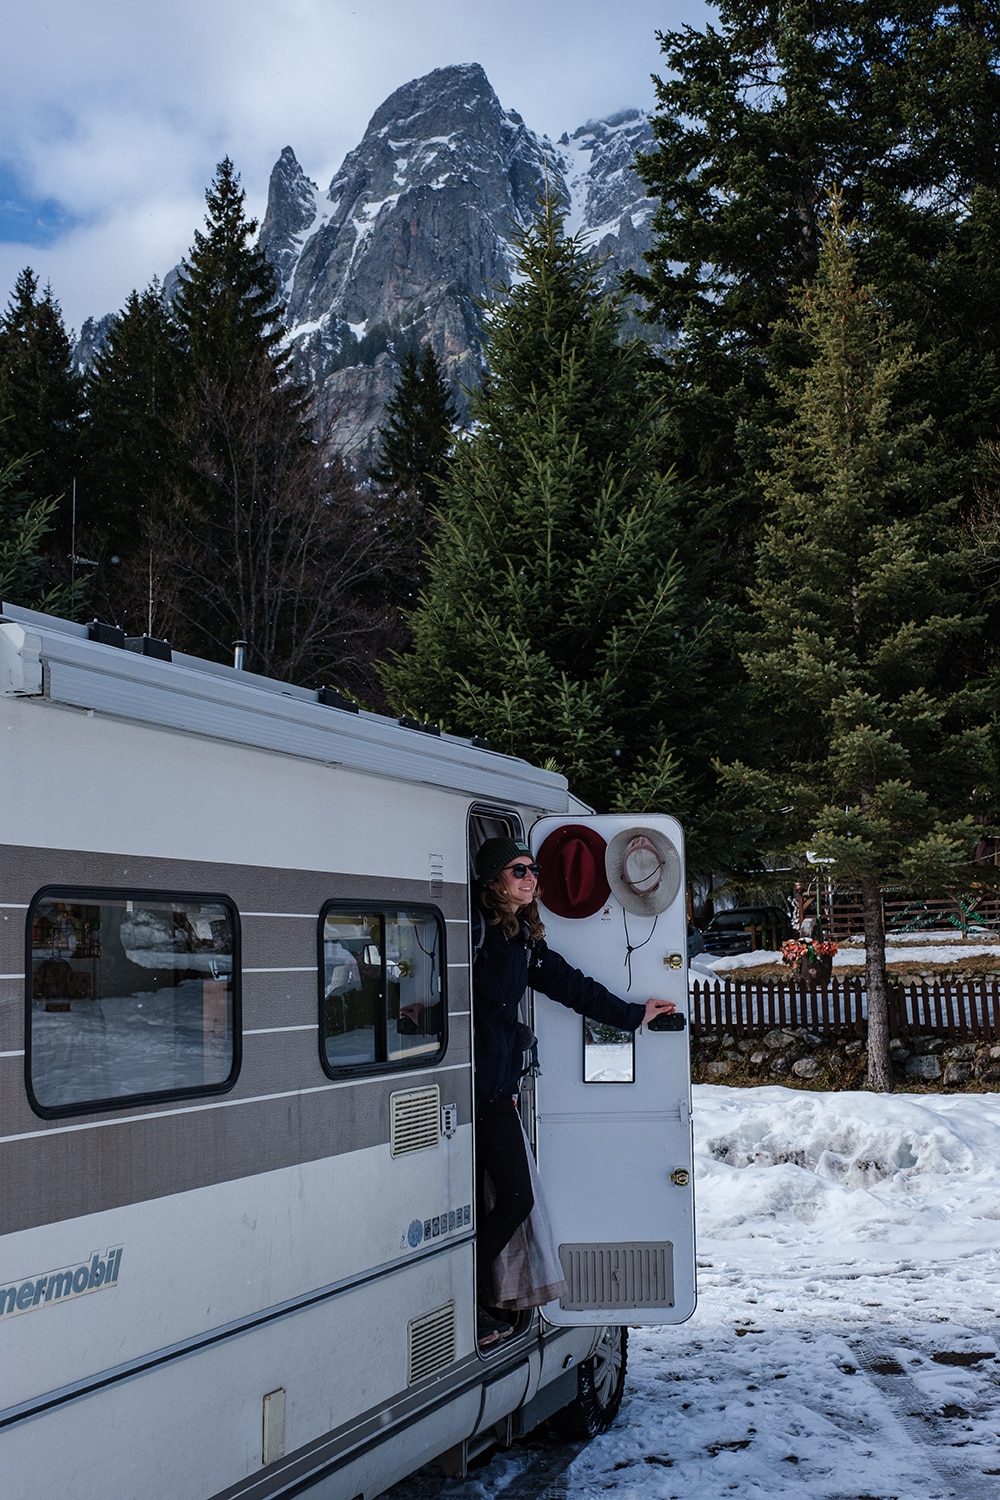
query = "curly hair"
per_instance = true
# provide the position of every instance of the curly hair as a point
(492, 898)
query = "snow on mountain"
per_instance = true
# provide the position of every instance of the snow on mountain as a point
(418, 225)
(607, 199)
(293, 206)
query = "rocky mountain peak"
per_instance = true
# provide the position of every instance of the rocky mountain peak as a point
(431, 189)
(418, 224)
(292, 205)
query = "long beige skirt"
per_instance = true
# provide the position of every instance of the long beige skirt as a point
(527, 1272)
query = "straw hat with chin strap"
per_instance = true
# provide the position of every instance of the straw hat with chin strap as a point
(644, 870)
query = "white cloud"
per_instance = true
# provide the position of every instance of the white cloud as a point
(120, 112)
(93, 268)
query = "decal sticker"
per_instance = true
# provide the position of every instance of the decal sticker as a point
(437, 1227)
(63, 1285)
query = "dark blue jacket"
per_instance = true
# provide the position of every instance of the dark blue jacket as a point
(503, 969)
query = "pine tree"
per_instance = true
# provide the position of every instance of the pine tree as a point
(226, 303)
(866, 645)
(417, 439)
(131, 448)
(249, 532)
(417, 435)
(759, 115)
(241, 429)
(40, 404)
(557, 619)
(24, 525)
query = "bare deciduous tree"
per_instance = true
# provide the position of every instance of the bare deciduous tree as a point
(272, 543)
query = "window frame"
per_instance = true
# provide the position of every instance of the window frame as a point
(97, 896)
(381, 907)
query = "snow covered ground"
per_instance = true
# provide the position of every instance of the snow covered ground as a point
(916, 948)
(846, 1343)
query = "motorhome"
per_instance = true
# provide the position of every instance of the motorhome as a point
(237, 1181)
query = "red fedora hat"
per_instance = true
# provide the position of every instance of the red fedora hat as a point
(573, 879)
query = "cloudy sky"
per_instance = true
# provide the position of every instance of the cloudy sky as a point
(113, 113)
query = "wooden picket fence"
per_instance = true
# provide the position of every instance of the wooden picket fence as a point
(841, 915)
(746, 1008)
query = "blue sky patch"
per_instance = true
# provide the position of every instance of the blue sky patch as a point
(26, 220)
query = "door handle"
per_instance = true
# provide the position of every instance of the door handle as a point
(668, 1022)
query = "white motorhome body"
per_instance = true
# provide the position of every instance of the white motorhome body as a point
(237, 1189)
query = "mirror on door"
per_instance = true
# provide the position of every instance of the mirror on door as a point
(608, 1054)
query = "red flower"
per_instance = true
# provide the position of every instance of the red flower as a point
(795, 950)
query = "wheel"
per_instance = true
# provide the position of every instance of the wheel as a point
(600, 1387)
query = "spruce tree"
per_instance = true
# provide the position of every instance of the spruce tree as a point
(40, 405)
(25, 523)
(226, 303)
(130, 443)
(241, 429)
(416, 438)
(866, 651)
(759, 115)
(416, 442)
(558, 620)
(249, 531)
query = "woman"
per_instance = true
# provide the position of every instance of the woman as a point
(511, 955)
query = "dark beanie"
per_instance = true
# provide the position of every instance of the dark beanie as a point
(495, 854)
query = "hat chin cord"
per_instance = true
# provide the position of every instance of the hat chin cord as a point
(631, 947)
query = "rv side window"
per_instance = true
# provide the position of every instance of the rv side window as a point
(129, 997)
(382, 1002)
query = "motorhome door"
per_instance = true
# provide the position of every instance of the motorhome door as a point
(613, 1111)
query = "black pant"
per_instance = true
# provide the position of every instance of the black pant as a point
(501, 1151)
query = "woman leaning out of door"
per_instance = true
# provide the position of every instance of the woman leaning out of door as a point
(511, 954)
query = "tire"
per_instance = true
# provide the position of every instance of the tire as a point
(600, 1387)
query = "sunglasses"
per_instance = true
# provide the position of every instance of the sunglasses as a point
(519, 871)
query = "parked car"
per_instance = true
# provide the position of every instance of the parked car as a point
(696, 942)
(744, 929)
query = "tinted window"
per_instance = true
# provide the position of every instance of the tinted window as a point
(383, 993)
(129, 996)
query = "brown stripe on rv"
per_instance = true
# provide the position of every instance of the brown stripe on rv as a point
(57, 1173)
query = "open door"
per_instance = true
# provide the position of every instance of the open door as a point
(613, 1111)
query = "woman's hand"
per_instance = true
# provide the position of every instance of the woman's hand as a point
(658, 1008)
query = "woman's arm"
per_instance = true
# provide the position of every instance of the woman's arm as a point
(549, 972)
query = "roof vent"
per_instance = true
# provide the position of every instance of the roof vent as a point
(106, 635)
(149, 645)
(421, 728)
(415, 1120)
(330, 698)
(478, 743)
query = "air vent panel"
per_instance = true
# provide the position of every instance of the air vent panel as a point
(431, 1343)
(637, 1273)
(415, 1120)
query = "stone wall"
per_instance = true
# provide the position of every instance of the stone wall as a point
(801, 1059)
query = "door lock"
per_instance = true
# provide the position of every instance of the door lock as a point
(674, 961)
(681, 1177)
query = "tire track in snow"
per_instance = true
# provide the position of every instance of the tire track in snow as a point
(929, 1430)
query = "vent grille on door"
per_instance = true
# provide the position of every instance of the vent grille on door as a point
(431, 1342)
(635, 1274)
(415, 1120)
